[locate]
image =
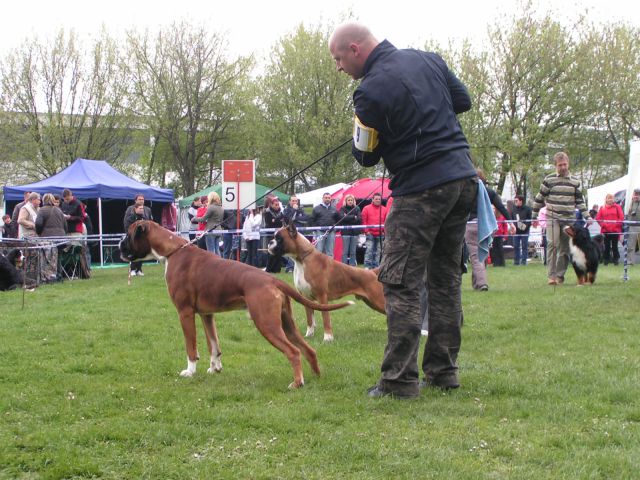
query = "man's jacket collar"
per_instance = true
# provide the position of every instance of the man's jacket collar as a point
(382, 49)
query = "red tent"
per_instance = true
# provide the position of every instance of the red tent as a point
(363, 189)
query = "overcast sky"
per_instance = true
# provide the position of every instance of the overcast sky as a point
(254, 26)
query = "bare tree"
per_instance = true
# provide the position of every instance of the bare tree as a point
(306, 110)
(188, 91)
(62, 103)
(615, 85)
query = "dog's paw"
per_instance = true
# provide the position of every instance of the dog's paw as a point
(216, 366)
(190, 370)
(328, 337)
(294, 385)
(310, 332)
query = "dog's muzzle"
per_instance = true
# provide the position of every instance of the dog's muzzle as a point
(125, 249)
(275, 247)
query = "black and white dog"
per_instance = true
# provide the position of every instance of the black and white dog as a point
(585, 254)
(10, 270)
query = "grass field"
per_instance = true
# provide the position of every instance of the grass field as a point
(89, 388)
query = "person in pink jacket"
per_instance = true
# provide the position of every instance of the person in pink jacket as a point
(610, 218)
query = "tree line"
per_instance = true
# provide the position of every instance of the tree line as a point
(170, 106)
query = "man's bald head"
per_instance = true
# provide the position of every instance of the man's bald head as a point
(350, 32)
(350, 45)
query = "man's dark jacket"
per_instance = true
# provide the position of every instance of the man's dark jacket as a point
(323, 216)
(76, 215)
(523, 216)
(411, 98)
(297, 216)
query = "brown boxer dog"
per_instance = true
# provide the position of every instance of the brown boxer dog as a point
(199, 282)
(321, 278)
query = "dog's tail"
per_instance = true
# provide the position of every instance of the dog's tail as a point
(298, 297)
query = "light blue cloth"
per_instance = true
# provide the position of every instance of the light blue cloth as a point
(486, 222)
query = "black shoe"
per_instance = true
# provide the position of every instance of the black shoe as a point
(483, 288)
(445, 382)
(377, 392)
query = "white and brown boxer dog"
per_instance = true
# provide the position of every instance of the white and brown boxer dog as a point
(322, 278)
(199, 282)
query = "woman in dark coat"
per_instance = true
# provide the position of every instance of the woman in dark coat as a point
(50, 221)
(349, 216)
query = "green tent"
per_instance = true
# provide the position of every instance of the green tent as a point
(261, 190)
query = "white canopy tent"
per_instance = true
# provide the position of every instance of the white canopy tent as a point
(633, 173)
(314, 197)
(627, 183)
(596, 195)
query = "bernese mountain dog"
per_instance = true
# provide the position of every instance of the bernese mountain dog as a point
(585, 254)
(10, 270)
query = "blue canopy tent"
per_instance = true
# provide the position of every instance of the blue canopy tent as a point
(94, 181)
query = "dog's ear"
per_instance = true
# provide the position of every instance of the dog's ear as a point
(291, 228)
(141, 228)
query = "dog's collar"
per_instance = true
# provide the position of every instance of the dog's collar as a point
(306, 254)
(177, 249)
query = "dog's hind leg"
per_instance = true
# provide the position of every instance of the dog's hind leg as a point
(294, 335)
(377, 304)
(188, 323)
(213, 343)
(268, 322)
(311, 322)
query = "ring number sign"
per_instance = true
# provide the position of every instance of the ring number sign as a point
(238, 184)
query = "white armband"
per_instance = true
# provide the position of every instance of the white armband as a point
(365, 138)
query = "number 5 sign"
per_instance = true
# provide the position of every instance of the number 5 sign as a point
(238, 184)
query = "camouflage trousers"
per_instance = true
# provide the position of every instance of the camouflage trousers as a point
(424, 231)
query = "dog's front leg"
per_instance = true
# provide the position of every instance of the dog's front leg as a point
(213, 343)
(311, 322)
(322, 297)
(187, 321)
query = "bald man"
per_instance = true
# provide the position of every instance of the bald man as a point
(405, 113)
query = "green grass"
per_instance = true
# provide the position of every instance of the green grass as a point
(89, 388)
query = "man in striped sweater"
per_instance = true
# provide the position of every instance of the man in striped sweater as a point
(562, 194)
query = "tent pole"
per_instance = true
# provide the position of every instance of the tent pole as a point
(100, 230)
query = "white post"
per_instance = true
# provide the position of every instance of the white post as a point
(100, 230)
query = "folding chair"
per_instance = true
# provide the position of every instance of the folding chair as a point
(70, 261)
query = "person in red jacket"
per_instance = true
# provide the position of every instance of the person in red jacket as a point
(374, 214)
(610, 218)
(73, 213)
(204, 203)
(497, 247)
